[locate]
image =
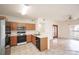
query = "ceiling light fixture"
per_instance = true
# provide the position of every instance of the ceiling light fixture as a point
(24, 9)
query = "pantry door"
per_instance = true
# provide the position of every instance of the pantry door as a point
(55, 31)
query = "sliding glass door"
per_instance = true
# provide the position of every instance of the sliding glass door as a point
(74, 31)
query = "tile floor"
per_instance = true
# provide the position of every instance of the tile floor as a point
(57, 47)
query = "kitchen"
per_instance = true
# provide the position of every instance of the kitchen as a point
(20, 33)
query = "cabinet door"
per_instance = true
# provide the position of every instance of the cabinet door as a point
(33, 26)
(13, 26)
(38, 43)
(43, 44)
(27, 27)
(8, 24)
(3, 17)
(33, 40)
(13, 40)
(30, 26)
(8, 28)
(28, 38)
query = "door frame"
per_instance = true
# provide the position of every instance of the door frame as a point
(56, 31)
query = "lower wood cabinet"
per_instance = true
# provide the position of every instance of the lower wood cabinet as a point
(41, 43)
(28, 38)
(33, 39)
(13, 40)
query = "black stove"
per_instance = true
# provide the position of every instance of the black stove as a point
(21, 37)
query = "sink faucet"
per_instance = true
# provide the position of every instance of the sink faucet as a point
(38, 33)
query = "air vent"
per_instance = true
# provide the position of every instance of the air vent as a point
(26, 4)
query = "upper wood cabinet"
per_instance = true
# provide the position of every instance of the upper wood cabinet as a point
(3, 17)
(30, 26)
(13, 26)
(8, 25)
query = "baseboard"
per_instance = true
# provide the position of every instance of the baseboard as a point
(68, 38)
(63, 38)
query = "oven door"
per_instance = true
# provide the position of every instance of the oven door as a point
(21, 38)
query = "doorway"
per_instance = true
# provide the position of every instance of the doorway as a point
(55, 31)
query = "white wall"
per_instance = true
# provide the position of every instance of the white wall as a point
(20, 20)
(45, 27)
(64, 28)
(48, 29)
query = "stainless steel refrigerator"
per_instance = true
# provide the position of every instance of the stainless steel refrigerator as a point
(2, 37)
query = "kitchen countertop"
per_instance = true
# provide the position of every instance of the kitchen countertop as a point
(40, 36)
(19, 34)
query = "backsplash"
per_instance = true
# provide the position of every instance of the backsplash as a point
(28, 32)
(13, 33)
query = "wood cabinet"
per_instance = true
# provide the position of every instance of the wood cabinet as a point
(42, 43)
(13, 26)
(3, 17)
(33, 26)
(33, 39)
(8, 28)
(8, 24)
(28, 38)
(13, 40)
(30, 26)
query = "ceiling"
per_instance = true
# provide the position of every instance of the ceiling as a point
(58, 12)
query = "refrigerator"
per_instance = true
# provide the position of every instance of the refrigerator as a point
(2, 37)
